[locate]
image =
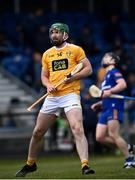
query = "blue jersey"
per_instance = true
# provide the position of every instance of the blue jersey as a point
(110, 81)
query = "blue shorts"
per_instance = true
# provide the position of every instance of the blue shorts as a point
(110, 114)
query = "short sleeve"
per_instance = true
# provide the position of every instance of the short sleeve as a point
(80, 54)
(44, 61)
(117, 75)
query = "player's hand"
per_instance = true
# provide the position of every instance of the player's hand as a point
(106, 93)
(69, 79)
(96, 106)
(51, 88)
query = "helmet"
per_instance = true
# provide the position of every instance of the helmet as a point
(60, 26)
(110, 58)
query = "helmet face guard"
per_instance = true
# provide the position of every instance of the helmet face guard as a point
(110, 59)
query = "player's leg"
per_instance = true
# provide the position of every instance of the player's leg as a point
(75, 119)
(114, 133)
(43, 123)
(131, 149)
(102, 134)
(102, 129)
(46, 117)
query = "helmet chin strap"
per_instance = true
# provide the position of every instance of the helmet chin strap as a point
(65, 36)
(107, 65)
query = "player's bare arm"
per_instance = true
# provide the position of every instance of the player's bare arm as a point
(121, 85)
(96, 105)
(45, 81)
(86, 71)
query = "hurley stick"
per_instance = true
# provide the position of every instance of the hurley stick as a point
(73, 72)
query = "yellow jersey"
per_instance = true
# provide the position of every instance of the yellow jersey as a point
(60, 62)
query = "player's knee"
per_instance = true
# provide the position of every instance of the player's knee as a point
(37, 133)
(113, 135)
(77, 131)
(100, 139)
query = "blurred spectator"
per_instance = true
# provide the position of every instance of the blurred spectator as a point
(100, 76)
(8, 120)
(17, 65)
(37, 71)
(113, 29)
(131, 92)
(5, 45)
(131, 52)
(41, 39)
(86, 40)
(125, 64)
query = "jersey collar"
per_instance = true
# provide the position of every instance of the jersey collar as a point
(63, 46)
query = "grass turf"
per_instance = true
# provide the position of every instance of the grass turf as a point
(68, 167)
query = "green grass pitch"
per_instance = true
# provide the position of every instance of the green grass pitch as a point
(68, 167)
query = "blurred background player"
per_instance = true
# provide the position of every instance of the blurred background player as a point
(108, 127)
(57, 62)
